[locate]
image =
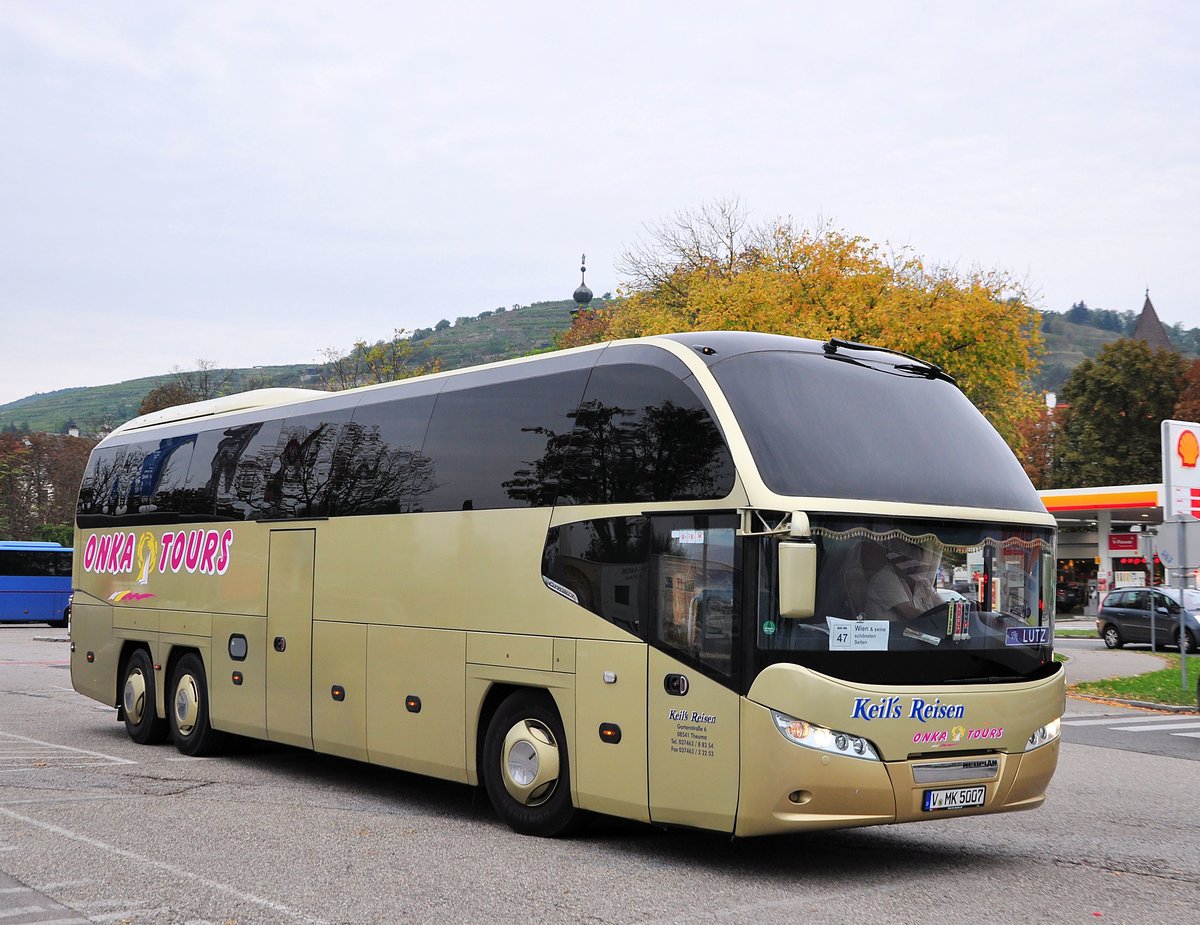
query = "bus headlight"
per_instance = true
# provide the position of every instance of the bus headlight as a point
(1043, 736)
(806, 734)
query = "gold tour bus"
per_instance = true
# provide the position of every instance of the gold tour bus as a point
(733, 581)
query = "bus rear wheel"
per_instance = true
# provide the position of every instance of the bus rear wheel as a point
(142, 722)
(190, 729)
(525, 767)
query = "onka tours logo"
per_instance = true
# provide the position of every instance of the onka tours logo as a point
(199, 551)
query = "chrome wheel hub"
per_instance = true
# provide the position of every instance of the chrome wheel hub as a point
(530, 762)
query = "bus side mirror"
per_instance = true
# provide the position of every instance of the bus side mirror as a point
(797, 579)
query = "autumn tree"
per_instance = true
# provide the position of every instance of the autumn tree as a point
(1187, 408)
(1109, 432)
(366, 364)
(714, 270)
(1036, 438)
(39, 483)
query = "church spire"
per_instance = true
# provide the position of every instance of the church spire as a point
(1149, 329)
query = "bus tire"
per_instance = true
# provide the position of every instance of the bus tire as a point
(142, 722)
(61, 624)
(525, 766)
(188, 710)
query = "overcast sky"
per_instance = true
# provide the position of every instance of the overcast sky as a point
(250, 182)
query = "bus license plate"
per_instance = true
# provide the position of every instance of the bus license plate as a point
(958, 798)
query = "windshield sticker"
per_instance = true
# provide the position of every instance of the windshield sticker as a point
(1026, 635)
(858, 635)
(689, 537)
(768, 627)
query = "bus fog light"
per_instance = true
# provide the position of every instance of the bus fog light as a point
(803, 733)
(1043, 736)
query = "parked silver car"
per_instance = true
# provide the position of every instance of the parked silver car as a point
(1125, 616)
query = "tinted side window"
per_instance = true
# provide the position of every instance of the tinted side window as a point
(162, 477)
(237, 471)
(500, 445)
(110, 494)
(21, 563)
(214, 467)
(378, 464)
(97, 484)
(674, 580)
(299, 477)
(603, 565)
(643, 434)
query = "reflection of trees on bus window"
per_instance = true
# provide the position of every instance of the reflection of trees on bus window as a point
(298, 479)
(372, 476)
(640, 434)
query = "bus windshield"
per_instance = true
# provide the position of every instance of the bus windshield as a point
(868, 430)
(920, 602)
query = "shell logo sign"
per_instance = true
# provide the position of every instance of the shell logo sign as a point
(1187, 448)
(200, 551)
(1181, 470)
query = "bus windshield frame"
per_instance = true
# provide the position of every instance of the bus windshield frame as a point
(915, 601)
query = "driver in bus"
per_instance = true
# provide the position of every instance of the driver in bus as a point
(894, 583)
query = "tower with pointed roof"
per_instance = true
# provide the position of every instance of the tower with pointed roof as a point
(582, 295)
(1149, 329)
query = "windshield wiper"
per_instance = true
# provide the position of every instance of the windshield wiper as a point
(918, 366)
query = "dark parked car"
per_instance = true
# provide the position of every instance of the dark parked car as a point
(1067, 597)
(1126, 612)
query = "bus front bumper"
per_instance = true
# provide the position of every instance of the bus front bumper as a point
(785, 787)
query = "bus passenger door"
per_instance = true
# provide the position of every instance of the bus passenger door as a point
(289, 637)
(693, 749)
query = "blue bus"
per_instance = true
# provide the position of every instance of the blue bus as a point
(35, 583)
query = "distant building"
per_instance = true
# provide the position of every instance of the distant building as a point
(1149, 329)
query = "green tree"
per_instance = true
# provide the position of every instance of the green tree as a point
(1108, 433)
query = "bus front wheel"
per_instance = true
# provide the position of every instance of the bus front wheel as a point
(525, 766)
(137, 699)
(188, 710)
